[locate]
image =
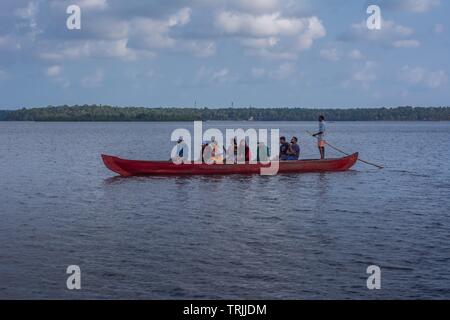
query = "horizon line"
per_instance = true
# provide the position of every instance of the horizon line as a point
(218, 107)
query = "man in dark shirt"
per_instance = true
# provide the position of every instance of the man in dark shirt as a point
(284, 147)
(293, 152)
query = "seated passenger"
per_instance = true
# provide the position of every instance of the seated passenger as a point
(182, 151)
(263, 152)
(293, 152)
(231, 153)
(216, 153)
(206, 152)
(243, 152)
(284, 147)
(248, 154)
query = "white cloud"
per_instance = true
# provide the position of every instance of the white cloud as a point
(274, 53)
(107, 28)
(387, 28)
(363, 75)
(53, 71)
(92, 4)
(139, 37)
(181, 18)
(355, 55)
(83, 4)
(330, 54)
(334, 54)
(437, 79)
(55, 74)
(266, 25)
(209, 75)
(199, 48)
(424, 77)
(28, 12)
(271, 34)
(391, 34)
(259, 72)
(270, 26)
(257, 6)
(366, 73)
(155, 34)
(9, 42)
(314, 30)
(93, 49)
(93, 80)
(412, 75)
(284, 71)
(417, 6)
(29, 15)
(260, 43)
(151, 33)
(439, 28)
(406, 44)
(3, 41)
(3, 75)
(271, 29)
(420, 5)
(221, 75)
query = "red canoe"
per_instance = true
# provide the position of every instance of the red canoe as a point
(128, 168)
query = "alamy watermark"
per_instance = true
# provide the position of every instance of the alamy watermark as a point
(374, 280)
(73, 22)
(374, 20)
(74, 280)
(238, 146)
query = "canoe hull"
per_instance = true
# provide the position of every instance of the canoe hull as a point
(129, 168)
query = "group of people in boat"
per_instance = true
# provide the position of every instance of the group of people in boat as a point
(240, 152)
(289, 151)
(236, 152)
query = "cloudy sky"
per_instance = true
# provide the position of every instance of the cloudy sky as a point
(260, 53)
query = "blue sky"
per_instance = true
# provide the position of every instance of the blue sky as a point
(266, 53)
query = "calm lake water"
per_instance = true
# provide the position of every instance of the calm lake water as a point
(283, 237)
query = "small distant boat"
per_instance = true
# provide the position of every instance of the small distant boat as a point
(129, 168)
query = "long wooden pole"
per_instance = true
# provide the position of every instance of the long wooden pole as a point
(347, 154)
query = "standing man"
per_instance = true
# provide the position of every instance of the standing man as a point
(321, 137)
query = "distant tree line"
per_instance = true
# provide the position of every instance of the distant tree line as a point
(110, 113)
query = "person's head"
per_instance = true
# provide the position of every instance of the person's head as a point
(321, 118)
(294, 140)
(283, 140)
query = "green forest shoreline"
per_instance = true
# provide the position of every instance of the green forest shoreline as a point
(102, 113)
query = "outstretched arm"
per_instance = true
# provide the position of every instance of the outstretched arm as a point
(318, 133)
